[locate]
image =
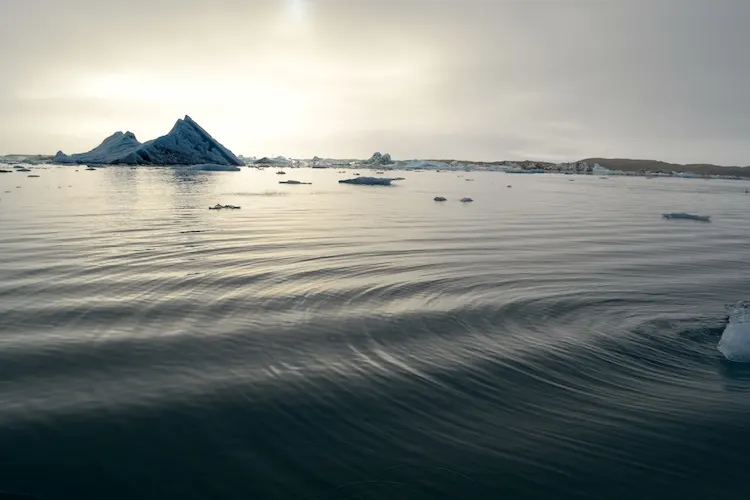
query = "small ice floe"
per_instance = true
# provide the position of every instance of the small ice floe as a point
(368, 181)
(440, 198)
(683, 215)
(22, 169)
(466, 200)
(735, 341)
(380, 173)
(5, 171)
(293, 182)
(397, 179)
(32, 176)
(88, 168)
(469, 180)
(219, 206)
(280, 172)
(509, 186)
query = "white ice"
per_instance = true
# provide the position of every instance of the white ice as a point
(735, 341)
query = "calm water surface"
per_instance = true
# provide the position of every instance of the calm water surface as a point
(553, 340)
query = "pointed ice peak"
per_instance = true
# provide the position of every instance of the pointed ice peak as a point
(186, 144)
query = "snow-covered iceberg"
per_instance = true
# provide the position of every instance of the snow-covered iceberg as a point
(735, 341)
(186, 144)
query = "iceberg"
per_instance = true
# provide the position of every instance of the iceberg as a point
(117, 146)
(423, 165)
(294, 182)
(378, 159)
(368, 181)
(219, 206)
(735, 341)
(186, 144)
(279, 160)
(683, 215)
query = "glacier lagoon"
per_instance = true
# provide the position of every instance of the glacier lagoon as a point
(338, 341)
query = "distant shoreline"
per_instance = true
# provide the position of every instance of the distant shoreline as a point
(590, 166)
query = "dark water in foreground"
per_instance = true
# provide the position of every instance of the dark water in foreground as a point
(555, 340)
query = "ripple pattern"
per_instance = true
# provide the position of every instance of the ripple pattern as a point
(334, 341)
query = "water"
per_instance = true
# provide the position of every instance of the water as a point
(555, 339)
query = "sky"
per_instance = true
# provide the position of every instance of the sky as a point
(553, 80)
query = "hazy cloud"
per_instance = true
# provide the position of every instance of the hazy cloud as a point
(540, 79)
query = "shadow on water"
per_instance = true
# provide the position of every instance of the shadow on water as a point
(736, 376)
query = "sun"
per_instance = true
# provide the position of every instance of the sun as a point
(295, 10)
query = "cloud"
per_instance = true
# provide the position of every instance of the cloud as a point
(551, 79)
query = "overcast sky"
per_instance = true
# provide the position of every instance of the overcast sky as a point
(468, 79)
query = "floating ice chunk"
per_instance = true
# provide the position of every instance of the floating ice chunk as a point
(466, 200)
(219, 206)
(683, 215)
(293, 182)
(368, 181)
(212, 167)
(439, 198)
(735, 341)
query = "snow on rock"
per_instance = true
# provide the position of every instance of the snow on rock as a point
(735, 341)
(186, 144)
